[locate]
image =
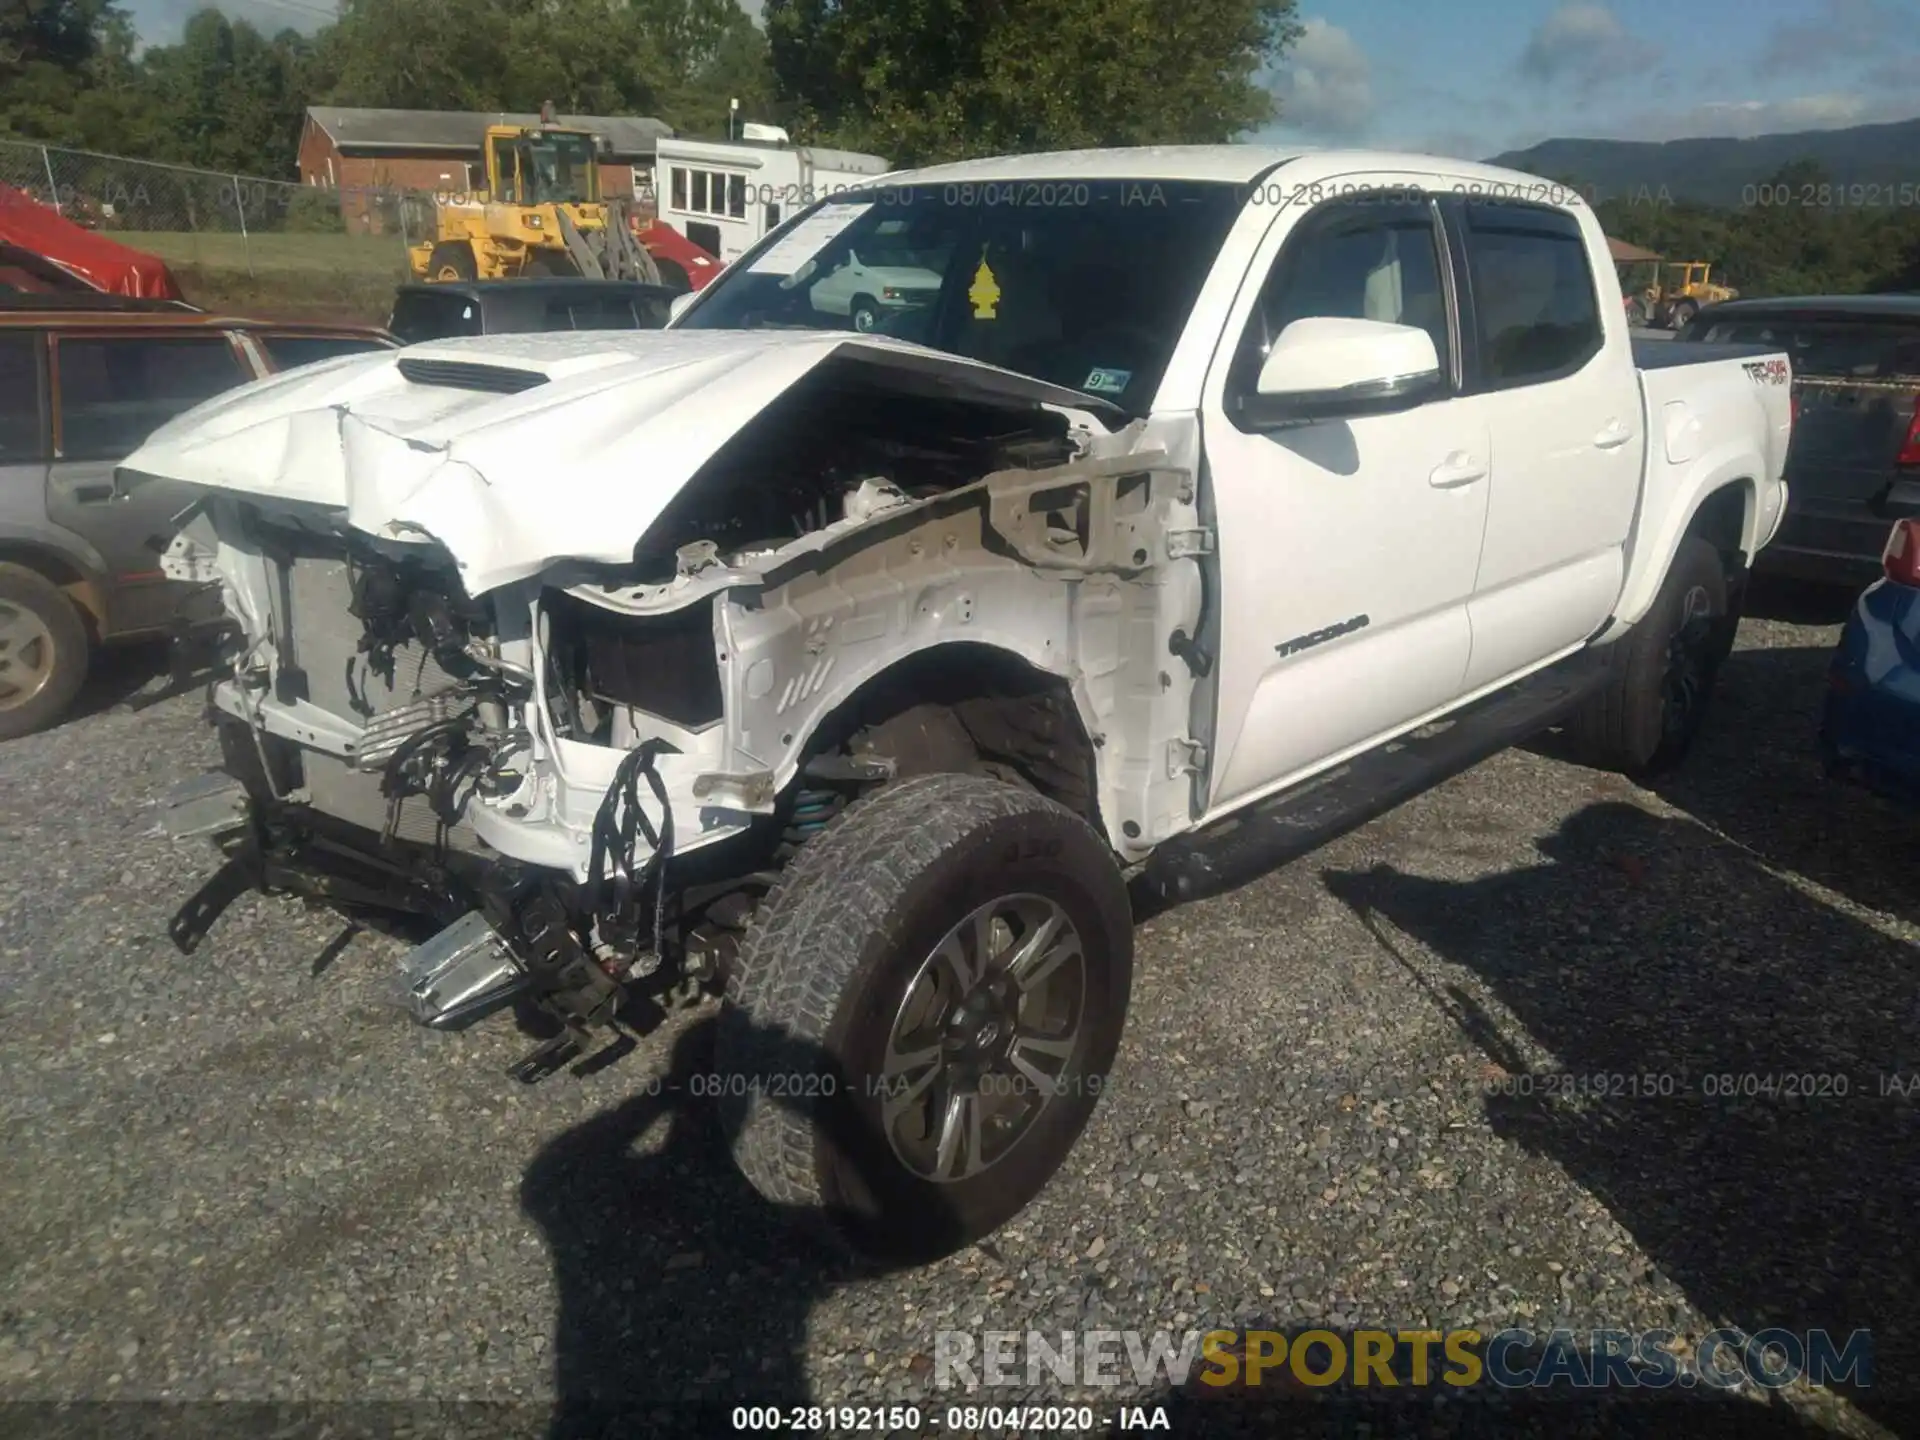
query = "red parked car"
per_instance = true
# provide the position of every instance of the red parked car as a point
(683, 265)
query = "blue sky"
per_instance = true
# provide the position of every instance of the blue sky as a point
(1476, 77)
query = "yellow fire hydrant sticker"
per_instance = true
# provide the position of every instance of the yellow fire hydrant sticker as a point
(985, 293)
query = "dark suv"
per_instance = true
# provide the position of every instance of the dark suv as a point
(1854, 465)
(82, 384)
(446, 308)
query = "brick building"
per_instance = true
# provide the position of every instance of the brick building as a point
(364, 152)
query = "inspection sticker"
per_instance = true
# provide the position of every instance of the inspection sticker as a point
(1107, 382)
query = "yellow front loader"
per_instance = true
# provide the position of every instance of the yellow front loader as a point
(542, 214)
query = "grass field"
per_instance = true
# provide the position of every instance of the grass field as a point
(281, 276)
(291, 294)
(308, 254)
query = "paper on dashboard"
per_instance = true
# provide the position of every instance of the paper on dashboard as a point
(807, 239)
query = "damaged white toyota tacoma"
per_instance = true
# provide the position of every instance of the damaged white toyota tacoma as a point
(1188, 506)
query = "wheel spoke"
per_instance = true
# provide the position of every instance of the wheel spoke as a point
(1043, 952)
(1058, 1046)
(907, 1077)
(959, 1154)
(952, 956)
(986, 946)
(19, 630)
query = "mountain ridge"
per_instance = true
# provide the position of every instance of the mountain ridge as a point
(1879, 159)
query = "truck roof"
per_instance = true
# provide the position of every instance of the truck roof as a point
(1232, 164)
(1899, 306)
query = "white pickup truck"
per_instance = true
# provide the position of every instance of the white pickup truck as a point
(1216, 500)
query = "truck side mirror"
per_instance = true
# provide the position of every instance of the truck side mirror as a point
(1325, 368)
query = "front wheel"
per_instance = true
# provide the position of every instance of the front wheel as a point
(452, 260)
(1661, 674)
(924, 1012)
(866, 314)
(1683, 314)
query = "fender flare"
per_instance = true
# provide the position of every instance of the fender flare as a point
(1650, 554)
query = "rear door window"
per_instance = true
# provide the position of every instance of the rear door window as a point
(117, 390)
(23, 435)
(1535, 301)
(288, 351)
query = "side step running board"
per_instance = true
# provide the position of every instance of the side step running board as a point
(1297, 821)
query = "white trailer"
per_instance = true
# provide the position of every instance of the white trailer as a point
(725, 195)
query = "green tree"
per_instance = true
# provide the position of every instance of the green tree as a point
(226, 97)
(47, 52)
(677, 60)
(922, 80)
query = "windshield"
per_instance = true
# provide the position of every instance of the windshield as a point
(1083, 284)
(558, 169)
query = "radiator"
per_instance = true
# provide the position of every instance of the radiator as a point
(311, 600)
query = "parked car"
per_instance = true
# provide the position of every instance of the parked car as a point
(446, 308)
(84, 378)
(1182, 531)
(683, 265)
(1870, 727)
(1855, 462)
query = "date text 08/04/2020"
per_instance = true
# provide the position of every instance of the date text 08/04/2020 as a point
(958, 1419)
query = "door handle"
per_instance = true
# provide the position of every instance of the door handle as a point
(1613, 436)
(1459, 469)
(92, 494)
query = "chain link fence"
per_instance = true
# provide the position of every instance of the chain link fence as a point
(203, 219)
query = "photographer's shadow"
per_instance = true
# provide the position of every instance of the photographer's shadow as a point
(682, 1292)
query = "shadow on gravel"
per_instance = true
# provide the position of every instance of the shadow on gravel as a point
(1755, 777)
(144, 673)
(682, 1293)
(1646, 955)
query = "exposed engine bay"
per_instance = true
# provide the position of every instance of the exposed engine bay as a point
(589, 774)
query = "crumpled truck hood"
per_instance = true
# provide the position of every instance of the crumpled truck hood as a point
(576, 464)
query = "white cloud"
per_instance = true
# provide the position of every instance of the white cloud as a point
(1325, 83)
(1586, 46)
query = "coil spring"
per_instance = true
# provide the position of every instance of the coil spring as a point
(812, 809)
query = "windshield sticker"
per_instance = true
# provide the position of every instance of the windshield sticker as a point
(806, 240)
(985, 292)
(1107, 382)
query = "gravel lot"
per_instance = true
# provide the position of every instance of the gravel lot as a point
(243, 1176)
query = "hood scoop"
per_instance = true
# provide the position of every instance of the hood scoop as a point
(466, 375)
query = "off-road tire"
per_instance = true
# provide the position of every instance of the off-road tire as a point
(454, 255)
(1625, 725)
(557, 264)
(825, 963)
(33, 592)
